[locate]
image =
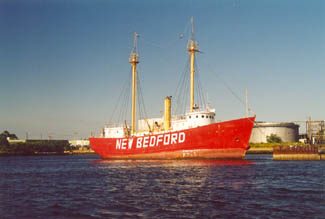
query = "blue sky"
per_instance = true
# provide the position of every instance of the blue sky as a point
(63, 63)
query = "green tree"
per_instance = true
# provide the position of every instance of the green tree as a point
(4, 144)
(4, 141)
(7, 134)
(273, 138)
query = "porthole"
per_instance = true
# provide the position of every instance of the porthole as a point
(202, 116)
(197, 116)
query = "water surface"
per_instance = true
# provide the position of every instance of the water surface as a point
(85, 186)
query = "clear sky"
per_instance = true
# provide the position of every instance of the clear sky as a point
(63, 62)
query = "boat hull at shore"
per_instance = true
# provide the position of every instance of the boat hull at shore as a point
(222, 140)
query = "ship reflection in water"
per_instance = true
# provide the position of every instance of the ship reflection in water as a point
(172, 163)
(187, 176)
(87, 187)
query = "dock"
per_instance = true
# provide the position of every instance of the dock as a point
(295, 152)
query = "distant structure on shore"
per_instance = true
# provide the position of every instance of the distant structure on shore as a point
(72, 142)
(287, 132)
(79, 143)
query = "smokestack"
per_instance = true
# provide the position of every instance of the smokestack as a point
(167, 113)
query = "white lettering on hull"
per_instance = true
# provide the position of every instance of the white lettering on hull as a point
(118, 143)
(166, 139)
(145, 141)
(151, 141)
(139, 142)
(124, 143)
(130, 143)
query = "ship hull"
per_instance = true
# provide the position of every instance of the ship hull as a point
(222, 140)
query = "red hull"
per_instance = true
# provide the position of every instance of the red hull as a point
(224, 140)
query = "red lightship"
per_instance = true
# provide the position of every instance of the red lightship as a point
(192, 135)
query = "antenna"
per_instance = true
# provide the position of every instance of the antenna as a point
(135, 40)
(192, 22)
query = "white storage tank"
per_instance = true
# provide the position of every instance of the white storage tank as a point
(288, 132)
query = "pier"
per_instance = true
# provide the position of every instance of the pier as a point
(294, 152)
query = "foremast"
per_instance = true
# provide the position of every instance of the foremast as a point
(192, 48)
(134, 59)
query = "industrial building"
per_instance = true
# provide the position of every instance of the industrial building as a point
(288, 132)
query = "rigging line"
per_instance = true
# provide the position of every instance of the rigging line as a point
(142, 107)
(121, 105)
(187, 27)
(138, 96)
(128, 91)
(142, 101)
(200, 96)
(161, 46)
(127, 108)
(187, 30)
(126, 99)
(176, 93)
(126, 82)
(229, 89)
(151, 43)
(184, 90)
(226, 85)
(140, 110)
(179, 93)
(117, 119)
(186, 97)
(201, 89)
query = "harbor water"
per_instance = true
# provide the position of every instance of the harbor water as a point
(85, 186)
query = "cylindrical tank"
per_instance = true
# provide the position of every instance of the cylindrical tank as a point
(288, 132)
(167, 113)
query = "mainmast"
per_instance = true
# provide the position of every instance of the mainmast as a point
(134, 59)
(192, 48)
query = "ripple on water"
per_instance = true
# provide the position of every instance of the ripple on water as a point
(85, 186)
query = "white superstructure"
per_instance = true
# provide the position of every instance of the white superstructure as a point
(155, 125)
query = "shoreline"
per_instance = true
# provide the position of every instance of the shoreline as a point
(78, 152)
(5, 154)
